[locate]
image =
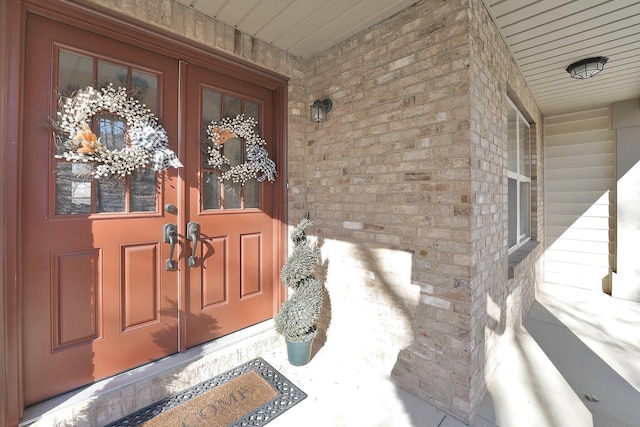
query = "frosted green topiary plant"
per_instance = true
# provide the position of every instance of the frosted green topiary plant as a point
(299, 314)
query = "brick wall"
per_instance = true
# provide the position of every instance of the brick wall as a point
(406, 184)
(413, 160)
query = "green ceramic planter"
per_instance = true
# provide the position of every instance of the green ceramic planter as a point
(299, 353)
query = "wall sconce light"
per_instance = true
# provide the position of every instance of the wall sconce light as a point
(587, 67)
(319, 110)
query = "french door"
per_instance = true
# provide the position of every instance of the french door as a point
(117, 273)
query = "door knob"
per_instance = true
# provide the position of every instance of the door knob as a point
(170, 237)
(193, 231)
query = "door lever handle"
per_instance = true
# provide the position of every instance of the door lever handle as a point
(193, 231)
(170, 237)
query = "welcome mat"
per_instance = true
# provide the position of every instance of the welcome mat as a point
(252, 394)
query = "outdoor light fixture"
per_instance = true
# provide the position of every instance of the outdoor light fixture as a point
(319, 110)
(587, 67)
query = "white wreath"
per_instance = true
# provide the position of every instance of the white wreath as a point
(147, 140)
(257, 165)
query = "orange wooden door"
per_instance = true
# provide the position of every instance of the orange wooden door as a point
(231, 283)
(97, 297)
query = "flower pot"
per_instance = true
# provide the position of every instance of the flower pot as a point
(299, 353)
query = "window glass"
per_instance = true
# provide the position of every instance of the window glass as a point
(525, 209)
(232, 106)
(519, 178)
(513, 208)
(74, 72)
(73, 188)
(512, 140)
(524, 167)
(227, 194)
(143, 191)
(76, 191)
(111, 73)
(111, 196)
(144, 88)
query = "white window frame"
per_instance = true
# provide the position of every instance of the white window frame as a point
(519, 176)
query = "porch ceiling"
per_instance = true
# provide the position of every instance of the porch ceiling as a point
(544, 36)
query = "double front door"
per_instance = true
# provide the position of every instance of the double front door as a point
(120, 272)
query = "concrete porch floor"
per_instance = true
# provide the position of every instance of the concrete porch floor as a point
(574, 363)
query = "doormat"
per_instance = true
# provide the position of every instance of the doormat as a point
(251, 394)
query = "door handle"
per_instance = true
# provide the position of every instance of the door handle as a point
(193, 231)
(170, 237)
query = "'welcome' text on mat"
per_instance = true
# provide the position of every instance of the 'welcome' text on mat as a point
(250, 395)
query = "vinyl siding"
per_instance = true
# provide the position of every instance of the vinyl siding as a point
(579, 199)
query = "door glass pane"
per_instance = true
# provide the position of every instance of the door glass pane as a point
(144, 88)
(143, 191)
(112, 131)
(232, 106)
(232, 195)
(251, 109)
(211, 107)
(233, 149)
(211, 186)
(110, 196)
(210, 191)
(74, 72)
(251, 193)
(73, 188)
(111, 73)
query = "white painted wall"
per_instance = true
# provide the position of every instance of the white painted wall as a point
(626, 123)
(580, 199)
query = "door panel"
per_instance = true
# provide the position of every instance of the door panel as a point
(96, 298)
(231, 285)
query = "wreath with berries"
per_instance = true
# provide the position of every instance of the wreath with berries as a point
(257, 164)
(147, 141)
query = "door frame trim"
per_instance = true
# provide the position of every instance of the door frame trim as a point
(86, 15)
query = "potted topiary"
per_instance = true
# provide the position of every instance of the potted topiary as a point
(297, 320)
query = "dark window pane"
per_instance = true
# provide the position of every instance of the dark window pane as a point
(232, 106)
(111, 73)
(512, 139)
(211, 191)
(110, 196)
(73, 188)
(211, 107)
(233, 150)
(143, 191)
(112, 131)
(232, 195)
(525, 209)
(513, 212)
(144, 88)
(74, 72)
(251, 194)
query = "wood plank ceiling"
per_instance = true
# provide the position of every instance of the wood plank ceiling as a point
(544, 36)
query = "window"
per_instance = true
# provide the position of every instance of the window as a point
(519, 175)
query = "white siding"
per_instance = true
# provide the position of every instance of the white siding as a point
(579, 199)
